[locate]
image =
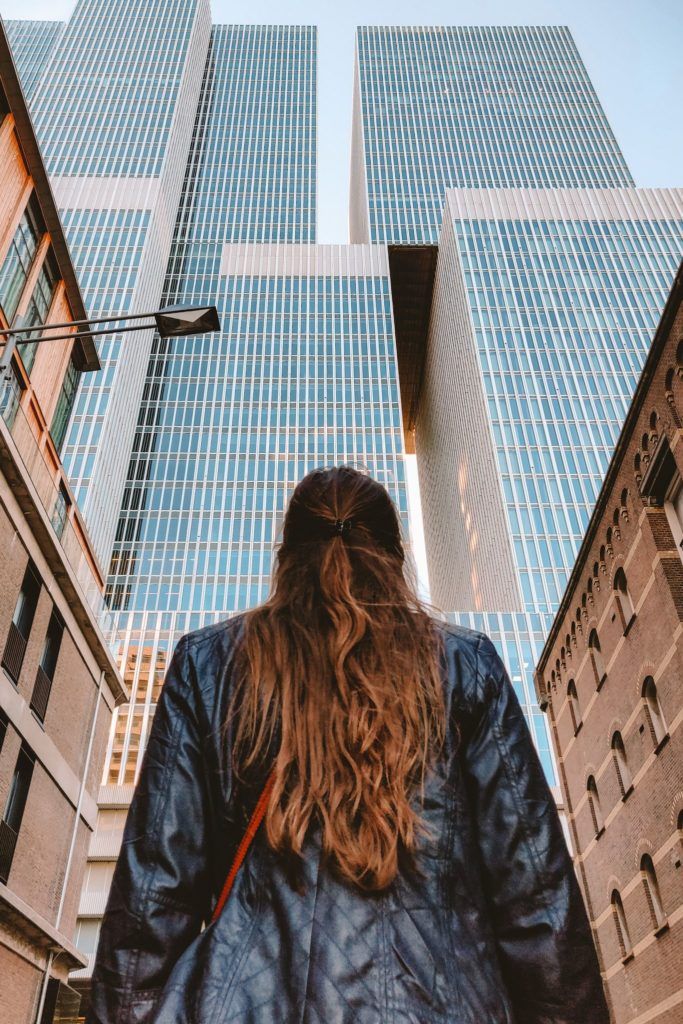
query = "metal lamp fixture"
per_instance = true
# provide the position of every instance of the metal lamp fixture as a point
(171, 322)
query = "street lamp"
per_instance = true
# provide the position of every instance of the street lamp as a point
(171, 322)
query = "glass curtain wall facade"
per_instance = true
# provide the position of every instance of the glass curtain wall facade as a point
(113, 105)
(302, 374)
(536, 294)
(542, 309)
(32, 44)
(470, 107)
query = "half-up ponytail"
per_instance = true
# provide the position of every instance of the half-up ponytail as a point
(342, 664)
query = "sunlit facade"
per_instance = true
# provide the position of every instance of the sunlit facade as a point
(544, 306)
(302, 374)
(551, 274)
(113, 98)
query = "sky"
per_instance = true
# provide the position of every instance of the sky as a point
(632, 50)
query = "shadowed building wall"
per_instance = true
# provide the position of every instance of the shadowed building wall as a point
(609, 678)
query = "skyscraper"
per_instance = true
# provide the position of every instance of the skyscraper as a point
(542, 307)
(469, 107)
(303, 374)
(520, 346)
(549, 273)
(114, 106)
(32, 45)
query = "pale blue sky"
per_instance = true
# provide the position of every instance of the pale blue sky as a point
(632, 50)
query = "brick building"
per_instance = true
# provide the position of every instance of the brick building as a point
(58, 680)
(609, 679)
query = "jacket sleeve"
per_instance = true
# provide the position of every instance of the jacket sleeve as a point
(160, 888)
(544, 940)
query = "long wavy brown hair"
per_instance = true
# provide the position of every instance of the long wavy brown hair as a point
(340, 667)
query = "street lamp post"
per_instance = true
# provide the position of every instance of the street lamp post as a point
(170, 322)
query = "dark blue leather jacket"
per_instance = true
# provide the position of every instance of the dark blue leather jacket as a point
(494, 932)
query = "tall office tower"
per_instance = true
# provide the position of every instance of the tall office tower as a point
(542, 311)
(302, 374)
(114, 108)
(469, 107)
(519, 346)
(32, 45)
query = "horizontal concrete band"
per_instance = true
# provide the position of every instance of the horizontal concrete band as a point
(565, 203)
(304, 260)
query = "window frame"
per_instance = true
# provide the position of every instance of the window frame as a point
(621, 926)
(658, 915)
(594, 805)
(621, 765)
(659, 729)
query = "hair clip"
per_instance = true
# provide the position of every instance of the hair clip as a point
(341, 525)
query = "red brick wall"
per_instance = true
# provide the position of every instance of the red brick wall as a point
(20, 988)
(645, 821)
(40, 858)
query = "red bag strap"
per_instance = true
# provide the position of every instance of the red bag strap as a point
(247, 838)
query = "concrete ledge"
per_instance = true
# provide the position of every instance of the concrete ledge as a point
(15, 912)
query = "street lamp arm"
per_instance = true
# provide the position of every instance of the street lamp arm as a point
(171, 322)
(73, 337)
(84, 323)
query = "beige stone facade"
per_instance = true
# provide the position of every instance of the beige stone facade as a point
(58, 680)
(610, 681)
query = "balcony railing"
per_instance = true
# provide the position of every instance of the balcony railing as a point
(44, 475)
(41, 692)
(13, 655)
(8, 840)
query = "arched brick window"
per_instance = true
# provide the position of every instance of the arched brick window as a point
(627, 612)
(574, 708)
(594, 804)
(654, 713)
(621, 925)
(651, 886)
(623, 771)
(597, 660)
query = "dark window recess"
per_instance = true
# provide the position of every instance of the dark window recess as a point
(4, 722)
(4, 105)
(37, 309)
(48, 664)
(67, 1005)
(16, 266)
(50, 1004)
(14, 808)
(65, 403)
(22, 620)
(60, 511)
(660, 472)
